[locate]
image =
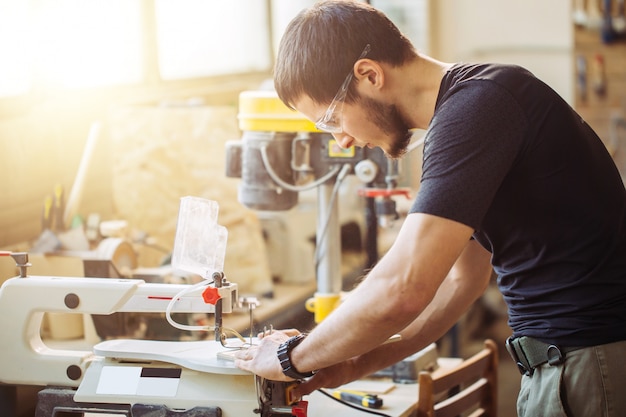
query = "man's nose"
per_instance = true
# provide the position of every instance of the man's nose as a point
(343, 140)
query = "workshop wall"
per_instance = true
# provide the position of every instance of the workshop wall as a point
(41, 148)
(536, 34)
(43, 145)
(43, 142)
(162, 153)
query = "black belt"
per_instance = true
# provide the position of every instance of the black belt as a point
(529, 353)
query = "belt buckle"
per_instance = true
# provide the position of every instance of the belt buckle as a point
(523, 369)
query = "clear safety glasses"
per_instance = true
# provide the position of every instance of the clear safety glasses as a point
(331, 121)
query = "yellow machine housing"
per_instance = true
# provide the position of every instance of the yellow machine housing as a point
(262, 111)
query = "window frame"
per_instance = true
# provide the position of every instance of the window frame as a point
(217, 89)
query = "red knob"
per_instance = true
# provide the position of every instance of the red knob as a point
(210, 295)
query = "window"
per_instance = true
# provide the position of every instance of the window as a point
(15, 77)
(411, 17)
(89, 43)
(70, 44)
(199, 38)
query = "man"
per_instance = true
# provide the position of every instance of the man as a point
(512, 179)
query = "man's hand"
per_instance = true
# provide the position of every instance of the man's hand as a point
(262, 359)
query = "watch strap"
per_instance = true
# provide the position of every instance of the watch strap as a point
(284, 351)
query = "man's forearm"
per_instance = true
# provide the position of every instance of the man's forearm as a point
(452, 300)
(395, 292)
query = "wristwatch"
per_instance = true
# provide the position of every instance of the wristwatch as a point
(285, 361)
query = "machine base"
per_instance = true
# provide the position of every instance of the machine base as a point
(60, 401)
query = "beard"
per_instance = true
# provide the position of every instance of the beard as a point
(392, 123)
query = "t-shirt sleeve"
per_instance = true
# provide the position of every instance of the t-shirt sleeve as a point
(473, 140)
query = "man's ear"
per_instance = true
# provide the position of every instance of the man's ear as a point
(370, 73)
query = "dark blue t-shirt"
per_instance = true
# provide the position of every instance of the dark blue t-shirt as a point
(505, 155)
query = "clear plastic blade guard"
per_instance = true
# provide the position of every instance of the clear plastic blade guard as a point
(200, 243)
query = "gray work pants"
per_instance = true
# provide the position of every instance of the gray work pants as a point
(591, 382)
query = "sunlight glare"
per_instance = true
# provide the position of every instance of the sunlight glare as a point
(88, 43)
(14, 40)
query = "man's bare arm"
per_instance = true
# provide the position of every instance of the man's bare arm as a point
(395, 292)
(464, 284)
(390, 298)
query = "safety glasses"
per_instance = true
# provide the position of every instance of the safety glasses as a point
(331, 120)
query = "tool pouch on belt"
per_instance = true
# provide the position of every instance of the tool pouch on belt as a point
(529, 353)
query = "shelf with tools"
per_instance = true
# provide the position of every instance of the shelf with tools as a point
(601, 87)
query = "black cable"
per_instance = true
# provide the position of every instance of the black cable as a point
(356, 407)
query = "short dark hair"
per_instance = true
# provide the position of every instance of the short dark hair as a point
(321, 44)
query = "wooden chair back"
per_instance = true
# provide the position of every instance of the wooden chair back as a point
(468, 389)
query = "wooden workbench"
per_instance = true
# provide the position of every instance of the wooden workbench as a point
(399, 401)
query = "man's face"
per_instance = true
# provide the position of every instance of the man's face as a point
(365, 122)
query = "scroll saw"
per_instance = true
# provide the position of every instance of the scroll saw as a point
(137, 378)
